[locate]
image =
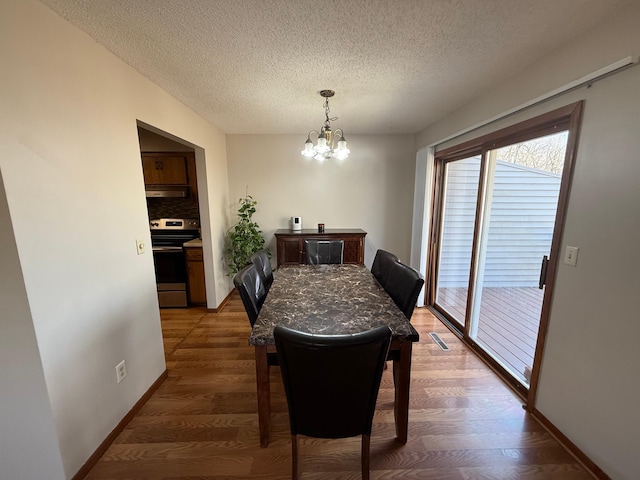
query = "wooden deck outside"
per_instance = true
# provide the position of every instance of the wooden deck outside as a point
(508, 326)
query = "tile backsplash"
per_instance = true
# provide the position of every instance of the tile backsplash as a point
(172, 208)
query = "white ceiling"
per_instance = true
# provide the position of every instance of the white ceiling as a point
(256, 66)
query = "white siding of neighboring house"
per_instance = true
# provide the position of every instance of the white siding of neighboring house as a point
(520, 229)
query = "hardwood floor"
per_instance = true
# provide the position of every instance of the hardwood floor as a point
(201, 423)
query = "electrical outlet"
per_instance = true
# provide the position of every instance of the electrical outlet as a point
(121, 371)
(140, 246)
(571, 256)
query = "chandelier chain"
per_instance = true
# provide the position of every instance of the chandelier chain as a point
(326, 112)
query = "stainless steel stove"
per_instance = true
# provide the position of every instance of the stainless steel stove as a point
(168, 235)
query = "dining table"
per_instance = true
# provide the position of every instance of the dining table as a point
(331, 300)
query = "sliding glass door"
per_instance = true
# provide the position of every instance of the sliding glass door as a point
(495, 229)
(518, 217)
(460, 195)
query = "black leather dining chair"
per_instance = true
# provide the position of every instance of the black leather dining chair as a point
(323, 251)
(403, 286)
(261, 260)
(250, 286)
(331, 384)
(382, 263)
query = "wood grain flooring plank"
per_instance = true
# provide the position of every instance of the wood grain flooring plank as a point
(527, 472)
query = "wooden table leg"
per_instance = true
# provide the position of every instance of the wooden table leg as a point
(402, 380)
(264, 394)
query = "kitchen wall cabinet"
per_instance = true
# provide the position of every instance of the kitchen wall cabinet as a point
(165, 168)
(290, 244)
(195, 270)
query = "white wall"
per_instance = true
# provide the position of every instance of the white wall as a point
(28, 443)
(372, 189)
(589, 383)
(73, 185)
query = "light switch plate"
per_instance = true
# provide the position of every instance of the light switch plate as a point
(571, 256)
(140, 246)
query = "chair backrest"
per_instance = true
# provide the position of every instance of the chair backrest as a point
(261, 260)
(403, 286)
(331, 381)
(323, 251)
(249, 283)
(381, 267)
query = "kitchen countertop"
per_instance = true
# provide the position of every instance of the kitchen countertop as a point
(196, 242)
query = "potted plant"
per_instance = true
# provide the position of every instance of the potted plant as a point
(244, 237)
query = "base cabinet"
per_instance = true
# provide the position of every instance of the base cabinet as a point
(290, 244)
(195, 276)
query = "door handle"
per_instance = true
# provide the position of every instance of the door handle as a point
(543, 272)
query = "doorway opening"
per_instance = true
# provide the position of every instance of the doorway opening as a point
(171, 167)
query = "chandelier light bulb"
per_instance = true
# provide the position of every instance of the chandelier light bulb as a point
(342, 151)
(308, 149)
(322, 146)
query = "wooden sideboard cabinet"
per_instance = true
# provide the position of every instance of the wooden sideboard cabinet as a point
(290, 244)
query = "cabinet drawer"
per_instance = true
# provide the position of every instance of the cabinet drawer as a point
(194, 254)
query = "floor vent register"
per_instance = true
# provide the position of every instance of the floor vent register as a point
(436, 338)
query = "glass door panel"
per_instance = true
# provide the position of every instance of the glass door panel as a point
(460, 196)
(520, 203)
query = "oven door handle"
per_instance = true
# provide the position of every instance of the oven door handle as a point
(167, 249)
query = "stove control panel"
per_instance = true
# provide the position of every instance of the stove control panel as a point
(174, 224)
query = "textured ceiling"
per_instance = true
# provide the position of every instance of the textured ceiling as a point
(256, 66)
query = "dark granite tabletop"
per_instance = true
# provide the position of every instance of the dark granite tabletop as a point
(328, 300)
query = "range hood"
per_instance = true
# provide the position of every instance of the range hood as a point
(165, 191)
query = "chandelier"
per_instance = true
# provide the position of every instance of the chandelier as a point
(324, 149)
